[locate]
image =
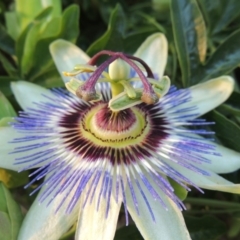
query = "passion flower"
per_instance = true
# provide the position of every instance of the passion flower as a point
(117, 136)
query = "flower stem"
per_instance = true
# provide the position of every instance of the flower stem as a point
(204, 211)
(213, 203)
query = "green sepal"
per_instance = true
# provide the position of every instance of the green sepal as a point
(10, 215)
(6, 109)
(179, 191)
(4, 122)
(13, 179)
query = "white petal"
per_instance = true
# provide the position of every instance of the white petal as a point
(27, 93)
(7, 160)
(66, 55)
(169, 224)
(208, 95)
(94, 224)
(43, 222)
(229, 161)
(212, 182)
(154, 52)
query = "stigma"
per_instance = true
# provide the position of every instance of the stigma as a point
(131, 81)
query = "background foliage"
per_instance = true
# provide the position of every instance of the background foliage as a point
(203, 41)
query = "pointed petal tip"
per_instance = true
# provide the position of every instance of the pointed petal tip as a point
(227, 83)
(229, 161)
(228, 78)
(14, 85)
(66, 55)
(212, 181)
(224, 86)
(210, 94)
(26, 93)
(154, 51)
(63, 47)
(58, 43)
(161, 36)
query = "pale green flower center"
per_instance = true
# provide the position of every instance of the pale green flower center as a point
(106, 128)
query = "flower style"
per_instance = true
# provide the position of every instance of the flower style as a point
(112, 142)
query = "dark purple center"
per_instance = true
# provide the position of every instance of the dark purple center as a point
(76, 142)
(115, 122)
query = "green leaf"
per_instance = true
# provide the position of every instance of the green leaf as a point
(135, 39)
(12, 210)
(226, 130)
(53, 27)
(6, 109)
(234, 99)
(128, 233)
(26, 13)
(20, 42)
(5, 85)
(32, 9)
(207, 227)
(189, 36)
(13, 24)
(7, 65)
(231, 108)
(6, 42)
(223, 61)
(226, 109)
(70, 23)
(113, 37)
(29, 46)
(5, 226)
(49, 79)
(152, 21)
(107, 7)
(66, 28)
(30, 36)
(219, 14)
(235, 228)
(28, 10)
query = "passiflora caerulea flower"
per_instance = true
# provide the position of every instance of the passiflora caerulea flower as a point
(118, 137)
